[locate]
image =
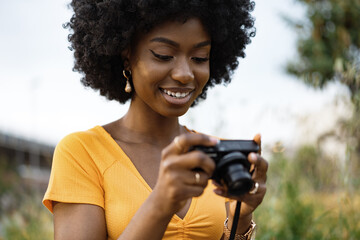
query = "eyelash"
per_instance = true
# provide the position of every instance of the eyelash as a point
(161, 57)
(200, 60)
(168, 58)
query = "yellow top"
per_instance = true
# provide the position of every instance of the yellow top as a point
(90, 167)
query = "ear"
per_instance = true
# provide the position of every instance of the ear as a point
(125, 56)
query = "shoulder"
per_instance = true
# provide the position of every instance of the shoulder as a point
(86, 147)
(89, 139)
(86, 136)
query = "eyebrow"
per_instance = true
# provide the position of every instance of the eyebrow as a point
(175, 44)
(202, 44)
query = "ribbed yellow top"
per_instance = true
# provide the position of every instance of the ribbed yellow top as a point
(90, 167)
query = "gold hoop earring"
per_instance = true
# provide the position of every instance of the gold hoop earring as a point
(128, 88)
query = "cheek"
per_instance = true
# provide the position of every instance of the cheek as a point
(149, 72)
(140, 71)
(203, 75)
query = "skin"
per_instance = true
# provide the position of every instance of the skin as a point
(164, 58)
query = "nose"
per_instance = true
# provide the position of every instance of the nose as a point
(182, 72)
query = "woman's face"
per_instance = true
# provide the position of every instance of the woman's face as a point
(170, 67)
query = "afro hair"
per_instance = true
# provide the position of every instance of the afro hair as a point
(100, 30)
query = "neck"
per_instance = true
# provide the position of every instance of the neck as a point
(145, 126)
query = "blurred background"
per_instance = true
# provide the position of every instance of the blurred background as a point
(299, 86)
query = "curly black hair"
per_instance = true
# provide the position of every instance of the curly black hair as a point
(102, 29)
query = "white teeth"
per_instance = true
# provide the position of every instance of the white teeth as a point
(177, 94)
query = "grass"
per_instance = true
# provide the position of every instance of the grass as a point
(22, 216)
(305, 205)
(30, 221)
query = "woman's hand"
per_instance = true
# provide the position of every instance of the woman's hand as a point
(176, 184)
(249, 202)
(178, 181)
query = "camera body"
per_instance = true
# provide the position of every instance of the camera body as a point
(232, 166)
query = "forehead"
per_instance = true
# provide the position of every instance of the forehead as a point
(190, 30)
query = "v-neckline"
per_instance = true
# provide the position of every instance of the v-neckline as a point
(118, 148)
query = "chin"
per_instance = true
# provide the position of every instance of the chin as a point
(176, 112)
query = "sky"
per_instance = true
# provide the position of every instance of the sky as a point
(42, 99)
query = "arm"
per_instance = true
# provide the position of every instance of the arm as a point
(174, 187)
(87, 222)
(73, 176)
(148, 221)
(78, 222)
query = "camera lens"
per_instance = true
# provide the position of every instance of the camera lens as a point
(238, 179)
(234, 169)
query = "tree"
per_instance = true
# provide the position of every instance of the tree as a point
(329, 50)
(329, 44)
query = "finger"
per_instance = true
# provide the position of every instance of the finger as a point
(178, 145)
(221, 191)
(260, 192)
(186, 191)
(198, 178)
(250, 199)
(257, 139)
(261, 166)
(182, 143)
(190, 161)
(216, 183)
(200, 160)
(194, 190)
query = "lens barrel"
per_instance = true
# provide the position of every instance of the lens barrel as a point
(235, 173)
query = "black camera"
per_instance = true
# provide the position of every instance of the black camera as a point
(232, 166)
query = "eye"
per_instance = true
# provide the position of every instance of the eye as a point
(161, 57)
(200, 60)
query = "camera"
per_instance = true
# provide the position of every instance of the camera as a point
(232, 166)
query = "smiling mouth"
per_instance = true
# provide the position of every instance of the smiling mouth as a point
(175, 94)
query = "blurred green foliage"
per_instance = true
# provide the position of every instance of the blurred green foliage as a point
(328, 44)
(29, 221)
(328, 49)
(22, 216)
(307, 199)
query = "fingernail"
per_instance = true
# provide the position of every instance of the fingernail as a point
(253, 156)
(214, 140)
(218, 191)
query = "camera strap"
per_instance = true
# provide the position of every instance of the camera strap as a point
(235, 221)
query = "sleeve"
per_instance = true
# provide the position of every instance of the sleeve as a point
(75, 177)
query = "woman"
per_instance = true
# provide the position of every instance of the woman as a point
(134, 178)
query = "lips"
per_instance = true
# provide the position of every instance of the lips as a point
(178, 96)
